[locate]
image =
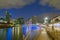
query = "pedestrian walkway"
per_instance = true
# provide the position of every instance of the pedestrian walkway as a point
(43, 36)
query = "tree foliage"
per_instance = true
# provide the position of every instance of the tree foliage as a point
(34, 20)
(20, 20)
(7, 16)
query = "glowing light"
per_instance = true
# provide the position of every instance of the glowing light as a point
(18, 30)
(31, 27)
(24, 27)
(13, 30)
(46, 20)
(57, 25)
(9, 34)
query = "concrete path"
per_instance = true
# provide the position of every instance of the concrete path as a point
(43, 36)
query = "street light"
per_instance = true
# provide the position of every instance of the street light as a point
(46, 20)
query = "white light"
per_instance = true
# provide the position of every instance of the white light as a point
(57, 25)
(37, 24)
(46, 18)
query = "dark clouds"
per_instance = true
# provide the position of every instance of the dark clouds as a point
(52, 3)
(22, 3)
(14, 3)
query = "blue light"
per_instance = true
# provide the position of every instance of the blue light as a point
(9, 34)
(31, 27)
(34, 27)
(24, 27)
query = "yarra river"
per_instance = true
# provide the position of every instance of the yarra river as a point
(39, 33)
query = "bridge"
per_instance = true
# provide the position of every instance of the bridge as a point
(6, 25)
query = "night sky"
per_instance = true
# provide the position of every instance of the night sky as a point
(29, 10)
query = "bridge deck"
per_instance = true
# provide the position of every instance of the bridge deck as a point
(5, 25)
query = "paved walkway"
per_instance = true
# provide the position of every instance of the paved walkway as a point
(43, 36)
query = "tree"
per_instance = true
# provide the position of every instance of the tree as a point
(7, 17)
(28, 19)
(1, 18)
(20, 20)
(34, 20)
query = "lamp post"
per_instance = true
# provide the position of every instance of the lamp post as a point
(46, 20)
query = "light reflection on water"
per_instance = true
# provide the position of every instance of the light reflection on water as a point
(2, 34)
(30, 28)
(9, 32)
